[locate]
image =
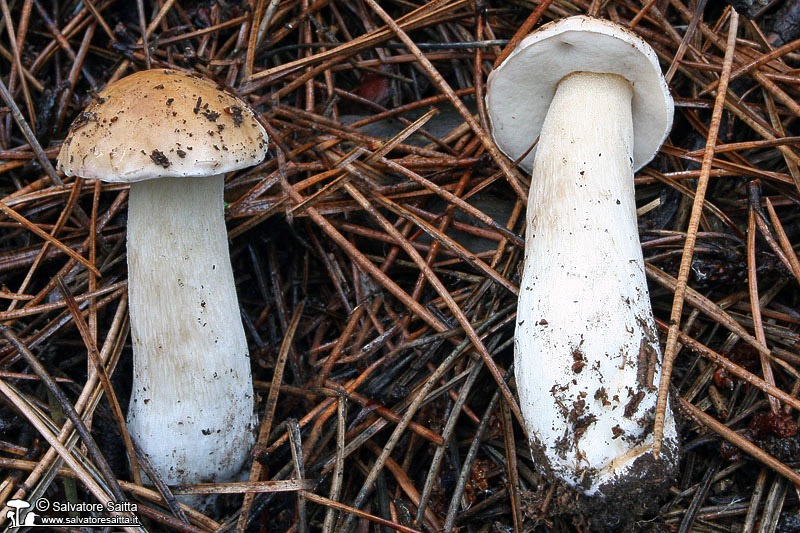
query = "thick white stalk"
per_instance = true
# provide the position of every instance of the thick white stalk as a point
(191, 408)
(587, 354)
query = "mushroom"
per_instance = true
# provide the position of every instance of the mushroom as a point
(173, 136)
(587, 356)
(16, 506)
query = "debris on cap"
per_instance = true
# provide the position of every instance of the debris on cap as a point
(162, 123)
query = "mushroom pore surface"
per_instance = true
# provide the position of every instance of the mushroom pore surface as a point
(520, 90)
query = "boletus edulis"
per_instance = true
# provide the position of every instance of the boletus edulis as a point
(587, 356)
(173, 137)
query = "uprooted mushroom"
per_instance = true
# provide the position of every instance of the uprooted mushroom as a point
(587, 356)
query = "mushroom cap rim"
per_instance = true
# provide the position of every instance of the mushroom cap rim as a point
(162, 123)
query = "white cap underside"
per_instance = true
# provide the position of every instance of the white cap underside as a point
(519, 91)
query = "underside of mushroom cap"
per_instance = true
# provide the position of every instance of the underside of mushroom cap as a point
(519, 91)
(162, 123)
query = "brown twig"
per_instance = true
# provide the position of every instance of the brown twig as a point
(691, 235)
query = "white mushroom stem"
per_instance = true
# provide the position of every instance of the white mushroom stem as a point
(191, 408)
(587, 354)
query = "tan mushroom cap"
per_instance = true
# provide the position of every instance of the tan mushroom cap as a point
(520, 89)
(162, 123)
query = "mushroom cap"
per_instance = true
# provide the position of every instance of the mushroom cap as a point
(162, 123)
(519, 91)
(18, 504)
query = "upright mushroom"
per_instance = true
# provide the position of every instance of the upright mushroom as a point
(587, 357)
(173, 136)
(15, 514)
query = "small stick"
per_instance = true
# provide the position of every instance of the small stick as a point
(755, 306)
(691, 235)
(47, 237)
(86, 478)
(786, 245)
(338, 468)
(455, 499)
(269, 413)
(356, 512)
(740, 442)
(52, 386)
(240, 487)
(105, 381)
(296, 447)
(523, 30)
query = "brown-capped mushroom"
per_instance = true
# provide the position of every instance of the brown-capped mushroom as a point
(173, 137)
